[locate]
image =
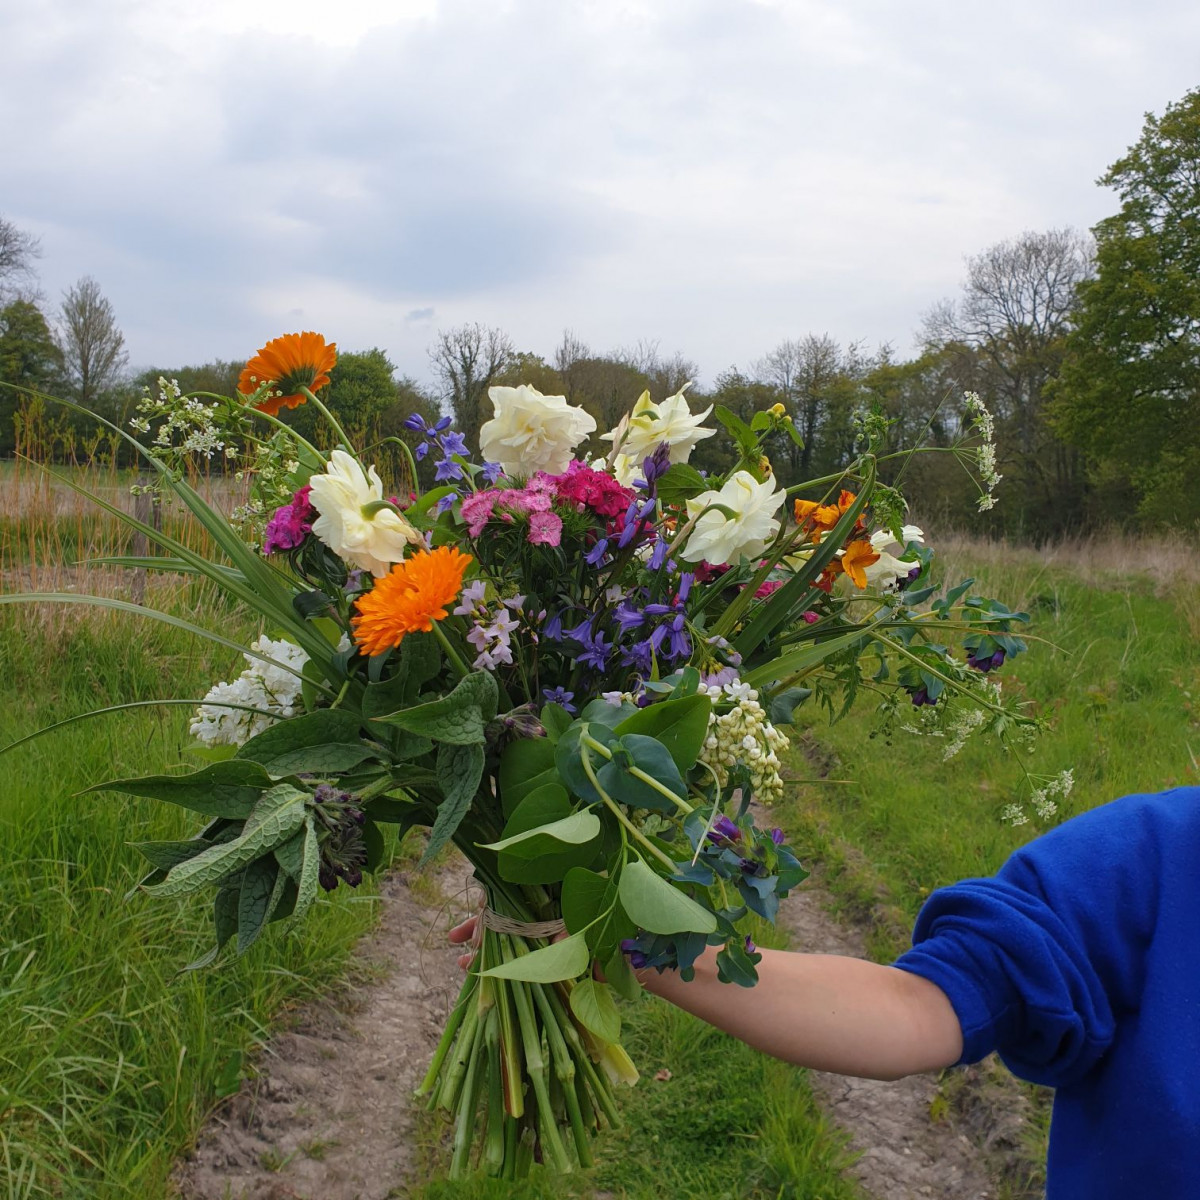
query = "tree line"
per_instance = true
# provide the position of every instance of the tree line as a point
(1085, 347)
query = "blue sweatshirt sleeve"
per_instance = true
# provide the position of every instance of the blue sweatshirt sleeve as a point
(1038, 960)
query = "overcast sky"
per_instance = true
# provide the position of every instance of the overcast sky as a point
(716, 175)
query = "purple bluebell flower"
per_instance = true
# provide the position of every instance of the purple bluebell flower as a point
(560, 695)
(491, 472)
(629, 947)
(553, 628)
(658, 555)
(681, 644)
(654, 466)
(453, 443)
(723, 831)
(595, 652)
(446, 502)
(627, 616)
(639, 656)
(443, 424)
(596, 554)
(447, 469)
(415, 422)
(422, 450)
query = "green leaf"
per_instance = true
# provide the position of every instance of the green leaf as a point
(567, 959)
(458, 718)
(324, 742)
(525, 765)
(255, 900)
(681, 725)
(275, 818)
(680, 483)
(225, 923)
(574, 830)
(568, 757)
(594, 1009)
(222, 789)
(650, 757)
(556, 720)
(165, 855)
(741, 433)
(418, 662)
(290, 855)
(373, 842)
(656, 905)
(583, 898)
(310, 869)
(782, 707)
(619, 974)
(807, 658)
(459, 770)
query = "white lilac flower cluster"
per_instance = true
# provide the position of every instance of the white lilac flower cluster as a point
(1042, 799)
(270, 688)
(984, 424)
(742, 734)
(491, 633)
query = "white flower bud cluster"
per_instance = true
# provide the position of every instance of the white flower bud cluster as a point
(264, 686)
(742, 734)
(1042, 799)
(985, 456)
(189, 426)
(962, 727)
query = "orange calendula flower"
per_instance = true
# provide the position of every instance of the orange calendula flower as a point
(410, 598)
(855, 559)
(288, 363)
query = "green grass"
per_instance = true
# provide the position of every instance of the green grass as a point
(109, 1059)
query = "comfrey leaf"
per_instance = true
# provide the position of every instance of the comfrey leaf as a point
(458, 718)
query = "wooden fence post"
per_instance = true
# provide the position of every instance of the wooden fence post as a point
(148, 512)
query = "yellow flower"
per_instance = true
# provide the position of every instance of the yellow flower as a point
(777, 410)
(289, 363)
(411, 598)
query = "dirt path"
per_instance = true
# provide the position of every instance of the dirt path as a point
(329, 1116)
(905, 1154)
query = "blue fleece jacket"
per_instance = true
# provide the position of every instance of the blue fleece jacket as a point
(1080, 963)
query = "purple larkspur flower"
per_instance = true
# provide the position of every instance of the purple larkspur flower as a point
(596, 554)
(446, 469)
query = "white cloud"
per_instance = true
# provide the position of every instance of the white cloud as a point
(714, 174)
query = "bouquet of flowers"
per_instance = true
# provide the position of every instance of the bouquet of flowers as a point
(577, 672)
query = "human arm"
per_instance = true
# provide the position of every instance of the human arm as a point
(824, 1011)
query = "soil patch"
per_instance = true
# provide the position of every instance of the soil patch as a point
(329, 1114)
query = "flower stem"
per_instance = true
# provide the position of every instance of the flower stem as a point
(455, 658)
(634, 832)
(333, 421)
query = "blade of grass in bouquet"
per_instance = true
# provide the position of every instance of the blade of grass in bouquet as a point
(275, 602)
(779, 606)
(158, 562)
(800, 662)
(112, 708)
(155, 615)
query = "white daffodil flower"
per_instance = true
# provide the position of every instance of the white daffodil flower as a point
(718, 539)
(642, 431)
(886, 572)
(531, 432)
(372, 541)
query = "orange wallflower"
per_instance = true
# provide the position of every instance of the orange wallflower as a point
(856, 558)
(824, 516)
(410, 598)
(289, 363)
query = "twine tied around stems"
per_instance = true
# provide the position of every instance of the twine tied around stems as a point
(529, 929)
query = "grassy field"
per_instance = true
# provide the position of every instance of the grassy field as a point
(110, 1062)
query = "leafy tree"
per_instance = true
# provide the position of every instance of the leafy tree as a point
(1006, 337)
(92, 345)
(1129, 392)
(29, 358)
(467, 360)
(18, 250)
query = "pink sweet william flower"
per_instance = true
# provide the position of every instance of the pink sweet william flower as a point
(477, 508)
(545, 529)
(810, 617)
(587, 488)
(767, 587)
(290, 524)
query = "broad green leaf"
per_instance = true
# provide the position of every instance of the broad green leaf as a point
(807, 658)
(290, 854)
(600, 712)
(593, 1006)
(255, 900)
(373, 842)
(225, 923)
(782, 707)
(310, 869)
(418, 661)
(681, 725)
(621, 977)
(323, 742)
(583, 896)
(222, 789)
(569, 757)
(555, 720)
(649, 756)
(459, 718)
(574, 830)
(165, 855)
(525, 765)
(549, 802)
(276, 817)
(566, 959)
(658, 906)
(459, 770)
(680, 483)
